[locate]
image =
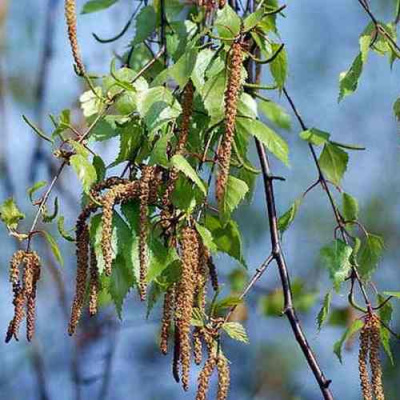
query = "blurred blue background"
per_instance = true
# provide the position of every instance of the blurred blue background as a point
(116, 360)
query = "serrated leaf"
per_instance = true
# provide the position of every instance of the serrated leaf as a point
(53, 247)
(228, 23)
(252, 20)
(236, 331)
(324, 312)
(159, 153)
(235, 192)
(97, 5)
(84, 170)
(146, 22)
(10, 214)
(213, 97)
(32, 190)
(181, 164)
(348, 81)
(226, 303)
(62, 231)
(350, 207)
(288, 217)
(279, 66)
(335, 259)
(333, 162)
(355, 327)
(183, 68)
(226, 237)
(315, 136)
(370, 254)
(385, 314)
(276, 114)
(274, 143)
(206, 237)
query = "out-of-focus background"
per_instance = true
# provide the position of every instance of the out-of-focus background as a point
(114, 360)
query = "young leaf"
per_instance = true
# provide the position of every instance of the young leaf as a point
(350, 207)
(179, 162)
(370, 255)
(335, 258)
(37, 186)
(10, 214)
(226, 237)
(385, 314)
(97, 5)
(206, 237)
(393, 294)
(62, 231)
(349, 79)
(235, 192)
(236, 331)
(333, 162)
(227, 23)
(355, 327)
(315, 136)
(324, 312)
(276, 114)
(279, 66)
(288, 217)
(85, 171)
(274, 143)
(54, 247)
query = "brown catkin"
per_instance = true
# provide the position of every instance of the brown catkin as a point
(144, 187)
(18, 302)
(374, 358)
(70, 17)
(222, 3)
(223, 378)
(186, 291)
(177, 354)
(94, 283)
(231, 104)
(82, 252)
(213, 274)
(15, 262)
(197, 346)
(204, 378)
(202, 275)
(30, 316)
(106, 235)
(166, 319)
(33, 264)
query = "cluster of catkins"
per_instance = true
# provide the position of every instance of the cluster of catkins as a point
(369, 352)
(24, 276)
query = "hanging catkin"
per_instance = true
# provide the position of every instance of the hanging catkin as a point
(204, 378)
(30, 286)
(376, 367)
(70, 17)
(94, 283)
(166, 319)
(18, 302)
(144, 188)
(223, 378)
(197, 346)
(231, 104)
(363, 362)
(82, 255)
(186, 291)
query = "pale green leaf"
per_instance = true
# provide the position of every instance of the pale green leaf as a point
(288, 217)
(279, 66)
(206, 237)
(32, 190)
(333, 162)
(228, 23)
(385, 314)
(276, 114)
(97, 5)
(236, 331)
(348, 81)
(235, 192)
(315, 136)
(354, 328)
(84, 170)
(10, 214)
(370, 254)
(350, 207)
(324, 312)
(53, 247)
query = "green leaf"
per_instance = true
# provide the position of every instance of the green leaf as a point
(228, 23)
(235, 192)
(335, 259)
(206, 237)
(37, 130)
(385, 314)
(396, 109)
(157, 106)
(179, 162)
(160, 258)
(32, 190)
(276, 114)
(84, 170)
(315, 136)
(146, 22)
(236, 331)
(226, 237)
(393, 294)
(324, 312)
(252, 20)
(370, 254)
(61, 124)
(159, 153)
(53, 247)
(274, 143)
(90, 103)
(100, 168)
(62, 231)
(333, 162)
(279, 66)
(10, 214)
(213, 96)
(183, 68)
(47, 218)
(226, 303)
(348, 81)
(355, 327)
(350, 207)
(288, 217)
(97, 5)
